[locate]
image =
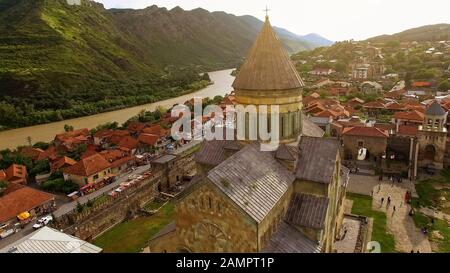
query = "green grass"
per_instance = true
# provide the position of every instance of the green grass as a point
(445, 176)
(428, 195)
(443, 244)
(153, 205)
(133, 235)
(362, 205)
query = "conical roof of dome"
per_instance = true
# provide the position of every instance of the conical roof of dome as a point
(267, 66)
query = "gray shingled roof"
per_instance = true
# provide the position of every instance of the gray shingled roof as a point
(435, 109)
(307, 210)
(285, 152)
(252, 179)
(317, 159)
(310, 129)
(213, 152)
(287, 239)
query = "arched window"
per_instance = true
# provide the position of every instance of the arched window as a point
(430, 152)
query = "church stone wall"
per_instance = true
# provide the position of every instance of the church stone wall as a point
(270, 224)
(375, 145)
(206, 221)
(308, 187)
(436, 139)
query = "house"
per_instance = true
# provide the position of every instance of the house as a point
(322, 71)
(16, 174)
(89, 170)
(127, 142)
(69, 140)
(49, 240)
(355, 101)
(374, 140)
(371, 88)
(61, 163)
(374, 108)
(136, 127)
(50, 154)
(394, 106)
(150, 143)
(407, 130)
(24, 200)
(103, 137)
(30, 152)
(414, 118)
(118, 159)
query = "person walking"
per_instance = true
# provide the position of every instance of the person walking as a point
(382, 201)
(389, 201)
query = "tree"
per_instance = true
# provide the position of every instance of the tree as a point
(41, 145)
(206, 77)
(29, 140)
(444, 85)
(68, 128)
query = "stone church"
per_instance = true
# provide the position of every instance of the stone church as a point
(244, 199)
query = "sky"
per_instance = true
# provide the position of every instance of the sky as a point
(336, 20)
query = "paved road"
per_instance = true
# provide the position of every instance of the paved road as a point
(66, 208)
(17, 236)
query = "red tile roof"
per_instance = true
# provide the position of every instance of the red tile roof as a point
(62, 162)
(51, 154)
(91, 150)
(356, 101)
(31, 152)
(327, 113)
(72, 134)
(148, 139)
(413, 115)
(407, 130)
(21, 200)
(395, 106)
(128, 142)
(154, 130)
(421, 84)
(2, 175)
(136, 127)
(17, 173)
(88, 166)
(365, 131)
(374, 104)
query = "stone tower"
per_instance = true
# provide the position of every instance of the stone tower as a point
(268, 77)
(432, 137)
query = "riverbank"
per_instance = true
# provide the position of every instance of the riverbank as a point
(10, 139)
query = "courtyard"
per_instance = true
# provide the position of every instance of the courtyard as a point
(393, 226)
(133, 235)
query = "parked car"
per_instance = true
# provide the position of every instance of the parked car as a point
(43, 222)
(7, 233)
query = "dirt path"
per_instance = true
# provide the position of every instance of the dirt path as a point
(407, 236)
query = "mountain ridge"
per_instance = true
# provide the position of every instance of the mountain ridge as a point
(435, 32)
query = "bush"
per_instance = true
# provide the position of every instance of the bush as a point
(60, 186)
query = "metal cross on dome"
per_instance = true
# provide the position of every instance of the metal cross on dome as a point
(267, 11)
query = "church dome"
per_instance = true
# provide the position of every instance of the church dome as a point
(268, 66)
(435, 109)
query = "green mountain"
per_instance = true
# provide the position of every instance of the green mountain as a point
(438, 32)
(60, 61)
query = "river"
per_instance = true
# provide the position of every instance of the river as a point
(46, 132)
